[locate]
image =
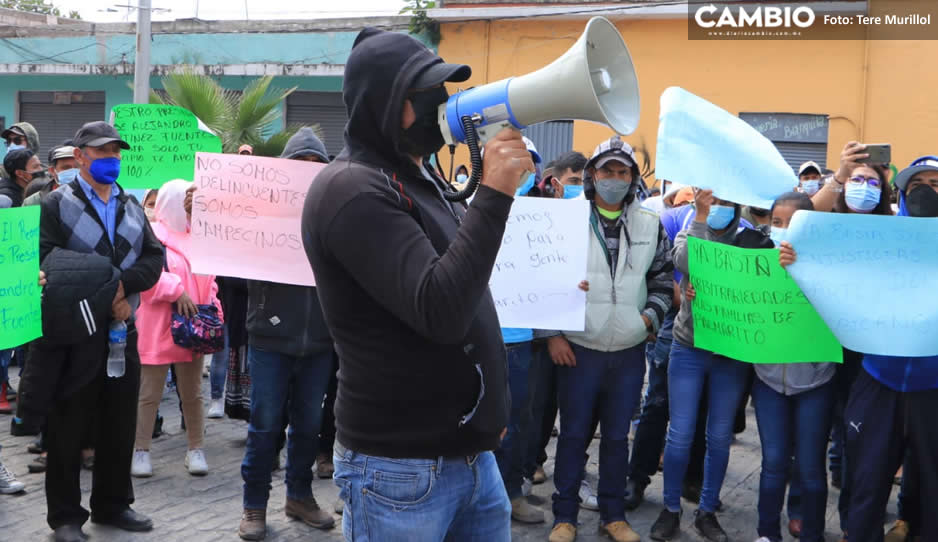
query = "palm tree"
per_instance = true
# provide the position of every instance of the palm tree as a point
(237, 117)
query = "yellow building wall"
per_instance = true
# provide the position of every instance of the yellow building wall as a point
(873, 91)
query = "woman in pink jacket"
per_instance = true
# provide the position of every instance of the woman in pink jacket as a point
(179, 289)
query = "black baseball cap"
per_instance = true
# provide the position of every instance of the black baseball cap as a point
(12, 130)
(441, 72)
(97, 134)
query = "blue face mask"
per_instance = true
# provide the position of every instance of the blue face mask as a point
(527, 186)
(720, 216)
(67, 176)
(778, 235)
(862, 198)
(571, 191)
(462, 178)
(105, 170)
(810, 187)
(15, 147)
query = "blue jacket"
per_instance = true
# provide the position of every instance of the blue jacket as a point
(903, 374)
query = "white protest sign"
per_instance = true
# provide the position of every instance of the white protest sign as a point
(535, 281)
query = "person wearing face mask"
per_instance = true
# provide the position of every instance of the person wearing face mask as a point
(181, 290)
(22, 167)
(691, 369)
(567, 180)
(890, 411)
(149, 203)
(402, 274)
(93, 214)
(793, 404)
(63, 169)
(462, 175)
(290, 354)
(809, 178)
(601, 369)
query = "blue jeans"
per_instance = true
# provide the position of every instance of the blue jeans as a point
(688, 371)
(274, 378)
(510, 456)
(652, 426)
(219, 369)
(802, 421)
(453, 499)
(5, 356)
(610, 385)
(542, 391)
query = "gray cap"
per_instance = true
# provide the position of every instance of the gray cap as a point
(612, 149)
(98, 134)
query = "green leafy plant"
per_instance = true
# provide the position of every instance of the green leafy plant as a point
(249, 116)
(37, 6)
(420, 23)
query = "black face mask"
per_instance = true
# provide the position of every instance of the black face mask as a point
(922, 201)
(424, 138)
(41, 174)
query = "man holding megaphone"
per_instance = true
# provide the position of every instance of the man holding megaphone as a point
(402, 275)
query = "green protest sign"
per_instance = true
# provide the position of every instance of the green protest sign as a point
(163, 141)
(748, 308)
(20, 311)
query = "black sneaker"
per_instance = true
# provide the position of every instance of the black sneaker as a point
(707, 526)
(634, 494)
(667, 526)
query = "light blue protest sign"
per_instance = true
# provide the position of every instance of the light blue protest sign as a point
(701, 145)
(873, 279)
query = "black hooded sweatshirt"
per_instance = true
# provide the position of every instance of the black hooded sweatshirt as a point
(403, 278)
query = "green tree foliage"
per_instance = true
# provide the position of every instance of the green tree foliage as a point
(243, 117)
(37, 6)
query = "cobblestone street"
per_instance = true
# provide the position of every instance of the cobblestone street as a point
(190, 509)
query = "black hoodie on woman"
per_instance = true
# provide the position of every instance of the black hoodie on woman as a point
(403, 278)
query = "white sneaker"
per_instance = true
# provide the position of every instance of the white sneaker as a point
(764, 539)
(141, 467)
(526, 487)
(587, 497)
(216, 409)
(195, 462)
(8, 483)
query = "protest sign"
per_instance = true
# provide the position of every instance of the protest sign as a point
(163, 141)
(873, 279)
(20, 306)
(246, 217)
(535, 281)
(749, 309)
(701, 145)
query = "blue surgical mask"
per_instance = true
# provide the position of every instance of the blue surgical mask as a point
(612, 191)
(571, 191)
(862, 198)
(462, 178)
(67, 176)
(720, 216)
(15, 147)
(526, 186)
(105, 170)
(778, 235)
(810, 187)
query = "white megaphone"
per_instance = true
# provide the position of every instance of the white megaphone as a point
(594, 80)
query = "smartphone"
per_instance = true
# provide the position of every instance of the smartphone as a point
(880, 153)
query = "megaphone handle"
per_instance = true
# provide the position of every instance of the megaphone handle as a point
(475, 160)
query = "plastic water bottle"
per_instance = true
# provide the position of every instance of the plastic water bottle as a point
(117, 342)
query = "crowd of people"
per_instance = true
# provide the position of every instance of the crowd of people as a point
(393, 377)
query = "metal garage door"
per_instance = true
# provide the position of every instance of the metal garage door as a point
(58, 115)
(552, 139)
(323, 108)
(798, 137)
